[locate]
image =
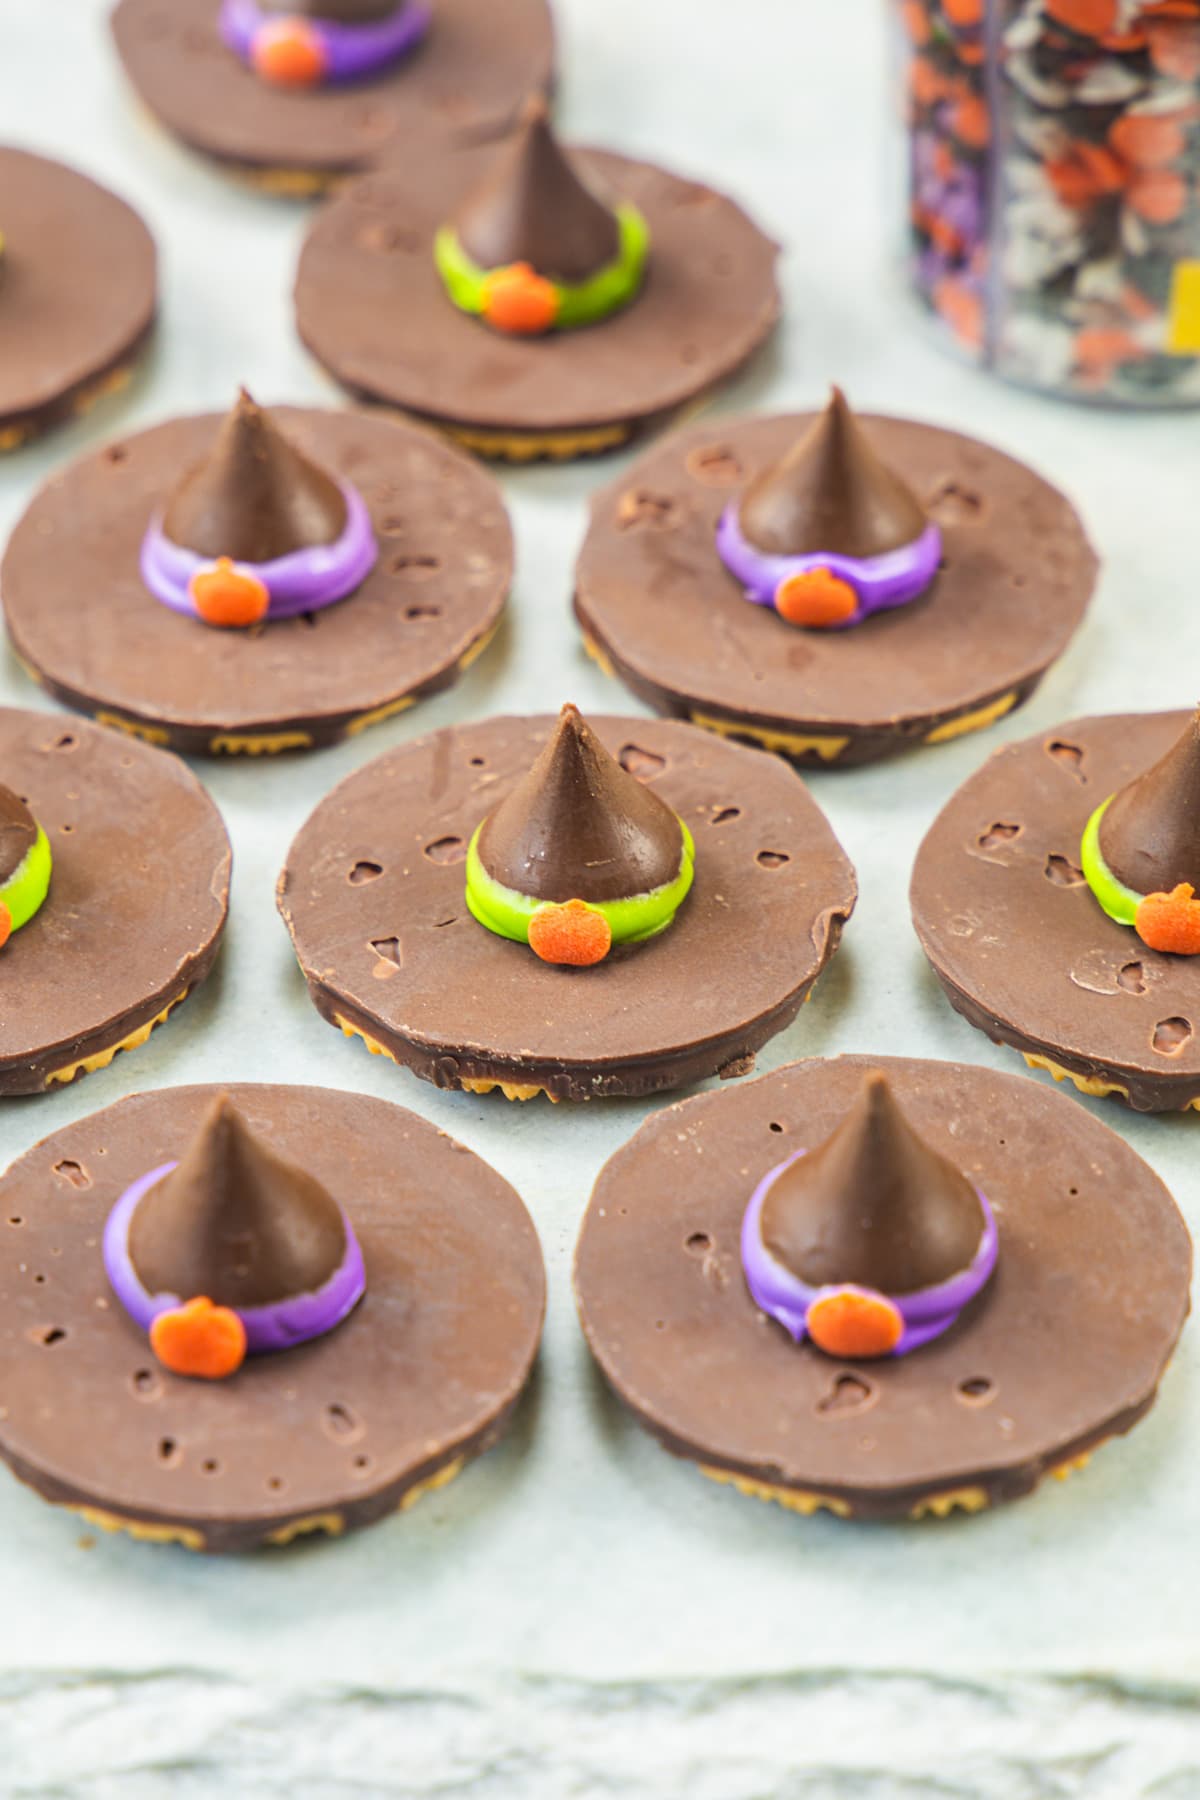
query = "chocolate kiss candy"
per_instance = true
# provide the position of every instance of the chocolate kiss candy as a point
(579, 827)
(1150, 832)
(340, 12)
(531, 207)
(873, 1205)
(255, 498)
(18, 832)
(236, 1222)
(831, 493)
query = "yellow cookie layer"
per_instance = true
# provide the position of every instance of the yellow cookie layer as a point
(140, 1528)
(267, 743)
(512, 1090)
(978, 720)
(147, 734)
(365, 720)
(600, 657)
(555, 446)
(1095, 1085)
(788, 743)
(88, 1065)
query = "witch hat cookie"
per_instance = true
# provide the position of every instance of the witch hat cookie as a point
(305, 1310)
(883, 1288)
(270, 580)
(1141, 850)
(295, 95)
(932, 580)
(679, 895)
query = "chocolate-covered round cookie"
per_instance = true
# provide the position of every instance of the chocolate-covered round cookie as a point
(459, 69)
(134, 894)
(258, 583)
(435, 926)
(1025, 949)
(388, 1401)
(78, 293)
(534, 299)
(1056, 1343)
(834, 590)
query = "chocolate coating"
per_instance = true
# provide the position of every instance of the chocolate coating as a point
(1019, 941)
(1150, 832)
(874, 1204)
(336, 1433)
(467, 79)
(579, 827)
(372, 894)
(831, 492)
(532, 207)
(254, 497)
(236, 1221)
(371, 306)
(78, 296)
(136, 907)
(655, 598)
(18, 832)
(1064, 1347)
(434, 597)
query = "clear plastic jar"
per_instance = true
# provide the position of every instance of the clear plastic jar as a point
(1053, 160)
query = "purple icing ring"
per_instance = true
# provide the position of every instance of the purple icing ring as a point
(279, 1326)
(351, 51)
(304, 581)
(926, 1313)
(880, 582)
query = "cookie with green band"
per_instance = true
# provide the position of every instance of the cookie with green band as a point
(580, 856)
(493, 293)
(1141, 849)
(25, 864)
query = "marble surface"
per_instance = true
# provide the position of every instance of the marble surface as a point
(580, 1614)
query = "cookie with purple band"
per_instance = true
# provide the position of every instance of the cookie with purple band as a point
(114, 889)
(294, 95)
(531, 298)
(552, 907)
(78, 294)
(829, 587)
(1055, 897)
(266, 582)
(882, 1287)
(236, 1318)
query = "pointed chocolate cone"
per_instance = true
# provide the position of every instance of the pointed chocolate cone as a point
(1150, 834)
(254, 497)
(579, 827)
(18, 833)
(873, 1205)
(236, 1222)
(531, 207)
(831, 493)
(341, 12)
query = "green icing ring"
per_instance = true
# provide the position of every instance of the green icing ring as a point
(29, 883)
(579, 303)
(1118, 901)
(503, 911)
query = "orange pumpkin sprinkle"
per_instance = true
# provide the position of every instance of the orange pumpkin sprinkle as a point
(1158, 195)
(518, 300)
(963, 12)
(971, 122)
(199, 1339)
(1171, 922)
(1175, 48)
(227, 596)
(962, 310)
(5, 924)
(575, 934)
(852, 1322)
(1147, 140)
(1090, 18)
(817, 598)
(290, 54)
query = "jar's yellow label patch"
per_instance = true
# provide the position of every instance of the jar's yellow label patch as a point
(1183, 312)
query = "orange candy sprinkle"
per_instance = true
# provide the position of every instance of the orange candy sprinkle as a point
(290, 54)
(5, 924)
(853, 1322)
(1171, 922)
(1158, 195)
(575, 934)
(227, 596)
(199, 1339)
(816, 599)
(963, 12)
(518, 300)
(1090, 18)
(1147, 140)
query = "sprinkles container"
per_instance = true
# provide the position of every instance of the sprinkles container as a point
(1053, 189)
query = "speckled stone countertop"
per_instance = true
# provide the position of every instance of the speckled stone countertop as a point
(581, 1615)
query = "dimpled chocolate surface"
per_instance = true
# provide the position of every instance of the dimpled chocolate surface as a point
(373, 896)
(654, 596)
(137, 899)
(477, 64)
(78, 288)
(445, 563)
(1064, 1347)
(426, 1369)
(371, 307)
(1018, 940)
